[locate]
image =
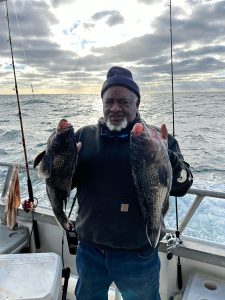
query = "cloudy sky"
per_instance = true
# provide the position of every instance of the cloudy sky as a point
(67, 46)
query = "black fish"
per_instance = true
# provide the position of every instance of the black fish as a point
(57, 166)
(152, 174)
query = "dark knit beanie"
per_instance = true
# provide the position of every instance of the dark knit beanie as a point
(122, 77)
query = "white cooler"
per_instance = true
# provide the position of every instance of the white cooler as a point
(33, 276)
(204, 287)
(13, 241)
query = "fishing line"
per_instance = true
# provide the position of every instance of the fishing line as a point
(72, 244)
(179, 270)
(22, 44)
(28, 205)
(30, 191)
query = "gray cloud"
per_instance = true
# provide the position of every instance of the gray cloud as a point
(36, 22)
(88, 25)
(202, 51)
(198, 48)
(149, 2)
(56, 3)
(113, 17)
(136, 49)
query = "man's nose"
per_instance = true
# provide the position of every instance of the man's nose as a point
(115, 106)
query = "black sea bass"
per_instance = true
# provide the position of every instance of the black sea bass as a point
(152, 175)
(57, 166)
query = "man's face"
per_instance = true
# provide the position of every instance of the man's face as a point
(120, 106)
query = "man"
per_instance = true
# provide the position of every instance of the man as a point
(113, 243)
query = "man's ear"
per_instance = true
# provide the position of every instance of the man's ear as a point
(138, 102)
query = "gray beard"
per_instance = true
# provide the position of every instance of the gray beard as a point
(119, 127)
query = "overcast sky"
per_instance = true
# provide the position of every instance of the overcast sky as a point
(67, 46)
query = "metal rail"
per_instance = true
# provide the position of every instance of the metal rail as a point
(200, 194)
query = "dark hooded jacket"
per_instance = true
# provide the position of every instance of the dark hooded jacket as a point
(104, 185)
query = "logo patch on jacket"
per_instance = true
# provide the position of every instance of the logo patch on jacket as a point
(124, 207)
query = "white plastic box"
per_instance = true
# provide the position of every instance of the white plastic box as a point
(33, 276)
(204, 287)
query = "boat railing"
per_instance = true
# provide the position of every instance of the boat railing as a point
(200, 195)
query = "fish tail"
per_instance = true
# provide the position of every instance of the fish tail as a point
(153, 236)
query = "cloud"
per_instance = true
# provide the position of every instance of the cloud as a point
(198, 46)
(57, 3)
(36, 23)
(135, 49)
(88, 25)
(113, 17)
(149, 2)
(216, 50)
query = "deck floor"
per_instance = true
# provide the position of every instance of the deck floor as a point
(71, 288)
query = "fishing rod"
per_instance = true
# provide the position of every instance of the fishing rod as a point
(28, 205)
(29, 185)
(171, 65)
(177, 240)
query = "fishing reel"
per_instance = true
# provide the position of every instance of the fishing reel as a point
(173, 241)
(29, 206)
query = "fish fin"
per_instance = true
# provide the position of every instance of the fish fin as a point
(55, 198)
(164, 134)
(79, 145)
(45, 166)
(153, 236)
(38, 159)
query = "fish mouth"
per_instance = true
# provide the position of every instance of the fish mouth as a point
(138, 129)
(63, 124)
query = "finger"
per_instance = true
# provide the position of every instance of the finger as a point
(68, 226)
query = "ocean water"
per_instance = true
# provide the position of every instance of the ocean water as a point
(199, 129)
